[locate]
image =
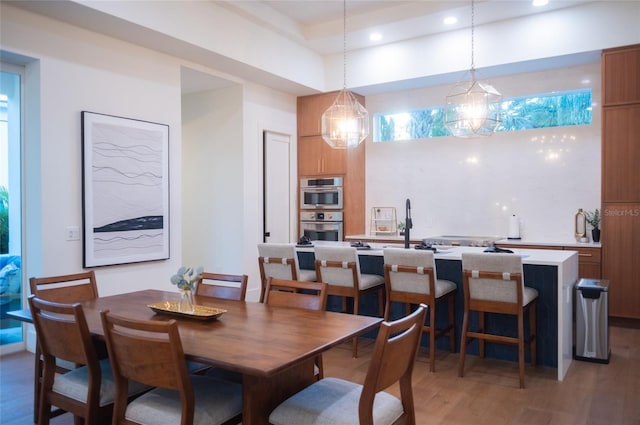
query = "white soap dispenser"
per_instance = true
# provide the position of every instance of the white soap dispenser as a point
(514, 227)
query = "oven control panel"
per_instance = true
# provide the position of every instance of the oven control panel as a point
(321, 216)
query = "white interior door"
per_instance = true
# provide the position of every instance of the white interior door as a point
(277, 187)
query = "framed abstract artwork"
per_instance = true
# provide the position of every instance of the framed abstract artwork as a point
(125, 185)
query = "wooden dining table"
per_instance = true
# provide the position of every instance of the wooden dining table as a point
(272, 347)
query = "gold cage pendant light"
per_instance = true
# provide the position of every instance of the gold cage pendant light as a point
(346, 123)
(472, 107)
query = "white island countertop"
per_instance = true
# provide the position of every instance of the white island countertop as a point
(549, 257)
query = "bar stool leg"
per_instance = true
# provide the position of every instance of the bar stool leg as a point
(463, 342)
(432, 339)
(533, 337)
(481, 324)
(452, 327)
(521, 347)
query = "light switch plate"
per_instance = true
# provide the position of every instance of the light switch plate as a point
(73, 233)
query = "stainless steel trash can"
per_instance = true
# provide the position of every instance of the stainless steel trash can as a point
(592, 321)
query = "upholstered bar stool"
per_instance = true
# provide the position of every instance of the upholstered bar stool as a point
(493, 283)
(411, 278)
(280, 261)
(339, 268)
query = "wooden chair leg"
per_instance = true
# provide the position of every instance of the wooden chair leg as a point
(452, 324)
(521, 347)
(356, 305)
(387, 310)
(463, 343)
(37, 376)
(533, 333)
(380, 295)
(481, 324)
(432, 339)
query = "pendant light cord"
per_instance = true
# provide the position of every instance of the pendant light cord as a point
(344, 42)
(473, 13)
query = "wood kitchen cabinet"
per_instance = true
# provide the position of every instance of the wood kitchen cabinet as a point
(316, 157)
(621, 237)
(621, 75)
(310, 110)
(621, 153)
(621, 179)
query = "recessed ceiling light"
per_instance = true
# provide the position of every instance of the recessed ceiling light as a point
(450, 20)
(538, 3)
(375, 36)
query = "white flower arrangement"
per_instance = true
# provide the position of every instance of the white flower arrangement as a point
(186, 277)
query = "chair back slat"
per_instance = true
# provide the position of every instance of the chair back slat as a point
(286, 293)
(65, 288)
(211, 285)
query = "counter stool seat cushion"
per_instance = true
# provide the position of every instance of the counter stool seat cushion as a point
(306, 275)
(75, 384)
(333, 401)
(215, 402)
(407, 284)
(370, 280)
(504, 291)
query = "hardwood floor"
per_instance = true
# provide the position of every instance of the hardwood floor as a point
(488, 394)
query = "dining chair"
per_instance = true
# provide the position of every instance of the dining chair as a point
(86, 391)
(493, 283)
(67, 289)
(227, 286)
(297, 294)
(280, 261)
(411, 278)
(339, 268)
(151, 352)
(332, 401)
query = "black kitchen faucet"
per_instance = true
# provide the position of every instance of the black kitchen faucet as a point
(408, 224)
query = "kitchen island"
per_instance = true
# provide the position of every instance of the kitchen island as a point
(552, 272)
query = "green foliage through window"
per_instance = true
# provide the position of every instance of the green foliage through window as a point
(518, 113)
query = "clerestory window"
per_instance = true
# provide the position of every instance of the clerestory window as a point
(518, 113)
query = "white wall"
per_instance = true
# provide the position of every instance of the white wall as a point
(472, 187)
(212, 189)
(72, 70)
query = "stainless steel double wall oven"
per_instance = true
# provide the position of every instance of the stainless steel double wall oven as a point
(321, 204)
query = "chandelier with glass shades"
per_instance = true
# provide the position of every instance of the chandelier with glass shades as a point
(346, 123)
(472, 107)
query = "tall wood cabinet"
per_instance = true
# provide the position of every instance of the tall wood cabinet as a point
(621, 179)
(316, 158)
